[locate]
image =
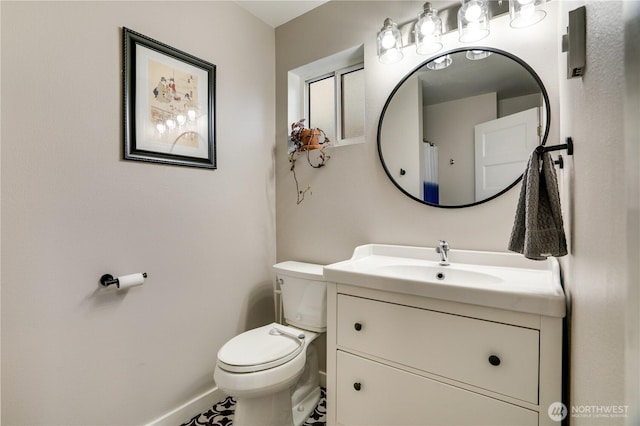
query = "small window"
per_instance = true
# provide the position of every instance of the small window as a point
(335, 103)
(351, 108)
(321, 103)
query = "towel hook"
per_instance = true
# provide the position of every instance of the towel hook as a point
(560, 161)
(568, 146)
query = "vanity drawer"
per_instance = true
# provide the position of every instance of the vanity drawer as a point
(493, 356)
(370, 393)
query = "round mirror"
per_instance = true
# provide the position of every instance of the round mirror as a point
(459, 129)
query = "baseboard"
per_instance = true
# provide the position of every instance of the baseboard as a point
(186, 411)
(200, 404)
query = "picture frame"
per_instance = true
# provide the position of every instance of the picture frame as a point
(169, 104)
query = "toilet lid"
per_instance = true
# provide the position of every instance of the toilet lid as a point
(260, 349)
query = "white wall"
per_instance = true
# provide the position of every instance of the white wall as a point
(0, 215)
(596, 270)
(632, 183)
(354, 203)
(403, 133)
(73, 353)
(455, 139)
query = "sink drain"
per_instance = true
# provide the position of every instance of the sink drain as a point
(440, 275)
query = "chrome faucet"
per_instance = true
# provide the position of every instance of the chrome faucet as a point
(443, 249)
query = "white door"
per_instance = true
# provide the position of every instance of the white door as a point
(502, 149)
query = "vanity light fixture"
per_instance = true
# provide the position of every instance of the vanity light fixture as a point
(439, 63)
(473, 21)
(428, 30)
(472, 24)
(389, 43)
(525, 13)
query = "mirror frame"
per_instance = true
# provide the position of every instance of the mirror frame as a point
(420, 66)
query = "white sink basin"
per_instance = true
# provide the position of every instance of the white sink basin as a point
(438, 274)
(500, 280)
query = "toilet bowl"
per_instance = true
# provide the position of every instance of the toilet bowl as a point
(260, 361)
(272, 371)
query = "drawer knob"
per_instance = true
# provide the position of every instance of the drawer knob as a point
(494, 360)
(357, 326)
(357, 386)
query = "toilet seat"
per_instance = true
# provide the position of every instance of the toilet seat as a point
(260, 349)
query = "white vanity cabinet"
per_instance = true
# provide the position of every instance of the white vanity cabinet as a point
(399, 359)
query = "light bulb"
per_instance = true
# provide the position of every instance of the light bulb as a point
(388, 40)
(181, 119)
(391, 56)
(473, 12)
(389, 43)
(475, 55)
(428, 30)
(473, 21)
(192, 114)
(525, 13)
(427, 27)
(440, 63)
(171, 124)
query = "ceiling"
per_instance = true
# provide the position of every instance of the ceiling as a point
(276, 13)
(498, 73)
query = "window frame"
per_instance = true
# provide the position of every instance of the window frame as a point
(337, 107)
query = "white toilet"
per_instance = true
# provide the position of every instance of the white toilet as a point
(272, 371)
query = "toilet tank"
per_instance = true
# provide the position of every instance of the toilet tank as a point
(304, 294)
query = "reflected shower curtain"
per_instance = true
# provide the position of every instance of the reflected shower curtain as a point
(430, 192)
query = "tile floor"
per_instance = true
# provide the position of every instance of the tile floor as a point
(221, 414)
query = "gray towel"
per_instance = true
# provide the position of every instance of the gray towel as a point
(538, 231)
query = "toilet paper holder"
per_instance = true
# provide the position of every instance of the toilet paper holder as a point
(107, 279)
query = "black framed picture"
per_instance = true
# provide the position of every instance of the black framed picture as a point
(169, 104)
